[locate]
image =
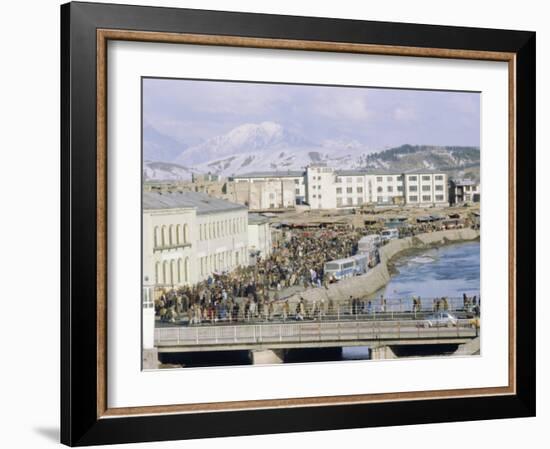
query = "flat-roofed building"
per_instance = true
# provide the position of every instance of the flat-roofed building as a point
(464, 191)
(425, 188)
(259, 235)
(294, 180)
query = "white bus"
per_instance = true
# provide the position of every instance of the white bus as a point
(345, 268)
(369, 243)
(389, 234)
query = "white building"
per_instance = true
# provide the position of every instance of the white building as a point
(189, 235)
(259, 235)
(425, 188)
(327, 188)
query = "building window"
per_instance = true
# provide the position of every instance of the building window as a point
(314, 196)
(359, 189)
(413, 188)
(390, 188)
(296, 181)
(350, 201)
(163, 236)
(426, 188)
(412, 178)
(399, 188)
(338, 189)
(426, 197)
(185, 233)
(439, 177)
(156, 237)
(349, 190)
(379, 178)
(319, 197)
(389, 178)
(439, 197)
(413, 198)
(359, 200)
(379, 189)
(400, 178)
(425, 178)
(297, 191)
(338, 180)
(349, 180)
(379, 199)
(359, 179)
(439, 187)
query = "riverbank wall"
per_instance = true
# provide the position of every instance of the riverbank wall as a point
(379, 276)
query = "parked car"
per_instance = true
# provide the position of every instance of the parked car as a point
(440, 319)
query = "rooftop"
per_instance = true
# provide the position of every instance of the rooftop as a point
(464, 182)
(270, 174)
(203, 203)
(257, 219)
(366, 171)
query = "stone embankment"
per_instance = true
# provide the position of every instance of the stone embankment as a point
(377, 277)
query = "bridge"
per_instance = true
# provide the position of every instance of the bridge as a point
(313, 334)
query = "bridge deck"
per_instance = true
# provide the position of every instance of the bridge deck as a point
(308, 334)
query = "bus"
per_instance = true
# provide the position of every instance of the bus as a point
(389, 234)
(369, 243)
(348, 267)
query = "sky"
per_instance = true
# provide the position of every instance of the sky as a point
(191, 111)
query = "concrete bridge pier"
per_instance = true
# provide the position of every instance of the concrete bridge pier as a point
(267, 356)
(150, 358)
(382, 353)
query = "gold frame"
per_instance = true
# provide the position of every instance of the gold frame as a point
(104, 35)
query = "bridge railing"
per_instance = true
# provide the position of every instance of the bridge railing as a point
(321, 311)
(311, 332)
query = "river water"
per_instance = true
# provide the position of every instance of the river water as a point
(449, 270)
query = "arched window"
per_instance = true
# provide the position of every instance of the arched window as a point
(163, 236)
(237, 258)
(172, 271)
(186, 270)
(157, 272)
(171, 235)
(164, 272)
(185, 233)
(180, 268)
(156, 237)
(178, 234)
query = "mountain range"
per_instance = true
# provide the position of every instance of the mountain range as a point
(269, 146)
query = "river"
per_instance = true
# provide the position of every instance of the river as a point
(449, 270)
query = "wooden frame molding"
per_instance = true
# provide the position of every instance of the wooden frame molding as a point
(105, 35)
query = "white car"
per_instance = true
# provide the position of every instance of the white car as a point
(440, 319)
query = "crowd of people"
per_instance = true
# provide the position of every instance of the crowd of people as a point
(297, 260)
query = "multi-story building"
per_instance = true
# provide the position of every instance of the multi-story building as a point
(425, 188)
(464, 191)
(189, 235)
(295, 177)
(262, 195)
(327, 188)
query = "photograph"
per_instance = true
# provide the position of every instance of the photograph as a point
(305, 223)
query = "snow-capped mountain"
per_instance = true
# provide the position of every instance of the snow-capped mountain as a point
(247, 138)
(166, 171)
(269, 146)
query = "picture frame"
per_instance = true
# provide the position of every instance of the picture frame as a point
(86, 28)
